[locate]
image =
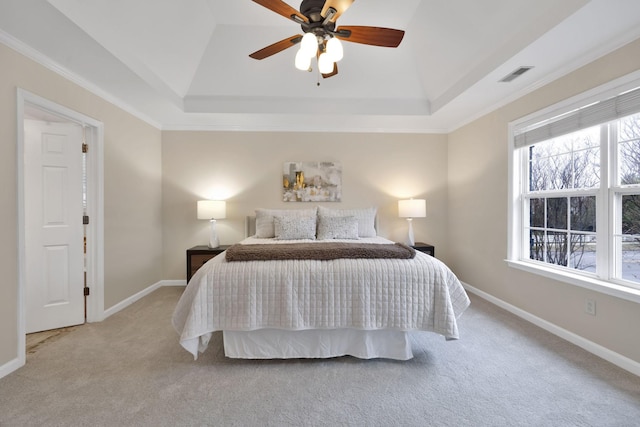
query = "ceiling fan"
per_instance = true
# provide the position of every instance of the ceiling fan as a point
(321, 38)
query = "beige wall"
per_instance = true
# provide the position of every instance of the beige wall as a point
(133, 200)
(246, 169)
(132, 189)
(478, 206)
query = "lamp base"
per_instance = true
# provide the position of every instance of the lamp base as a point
(410, 240)
(213, 236)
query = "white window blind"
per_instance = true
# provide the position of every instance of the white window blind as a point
(622, 105)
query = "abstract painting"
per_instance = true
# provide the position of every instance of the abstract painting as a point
(312, 182)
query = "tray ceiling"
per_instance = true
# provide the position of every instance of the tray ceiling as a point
(185, 65)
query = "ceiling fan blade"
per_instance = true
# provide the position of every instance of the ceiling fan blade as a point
(276, 47)
(339, 5)
(376, 36)
(333, 73)
(282, 8)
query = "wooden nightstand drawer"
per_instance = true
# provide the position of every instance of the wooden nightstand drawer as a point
(426, 248)
(198, 261)
(197, 256)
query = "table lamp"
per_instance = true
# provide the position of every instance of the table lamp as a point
(412, 208)
(212, 209)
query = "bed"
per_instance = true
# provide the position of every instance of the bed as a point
(318, 283)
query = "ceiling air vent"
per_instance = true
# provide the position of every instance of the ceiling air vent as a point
(515, 74)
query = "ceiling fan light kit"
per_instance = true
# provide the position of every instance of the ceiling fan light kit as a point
(314, 46)
(321, 39)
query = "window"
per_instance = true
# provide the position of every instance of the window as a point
(576, 192)
(560, 200)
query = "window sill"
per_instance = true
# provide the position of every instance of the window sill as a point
(593, 284)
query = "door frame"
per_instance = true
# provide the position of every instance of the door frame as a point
(94, 131)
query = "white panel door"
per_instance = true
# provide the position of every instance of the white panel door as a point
(54, 233)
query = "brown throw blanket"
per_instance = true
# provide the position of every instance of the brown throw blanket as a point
(318, 251)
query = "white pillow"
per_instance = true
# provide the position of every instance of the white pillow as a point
(264, 219)
(292, 228)
(366, 218)
(337, 227)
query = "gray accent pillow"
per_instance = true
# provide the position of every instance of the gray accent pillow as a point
(337, 227)
(292, 228)
(366, 218)
(264, 219)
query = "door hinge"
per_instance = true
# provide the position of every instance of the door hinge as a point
(85, 219)
(85, 147)
(86, 291)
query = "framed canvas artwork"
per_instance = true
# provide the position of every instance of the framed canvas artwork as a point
(312, 182)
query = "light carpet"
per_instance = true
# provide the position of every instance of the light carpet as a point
(130, 371)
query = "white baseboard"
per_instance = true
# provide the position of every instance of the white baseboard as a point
(17, 363)
(133, 298)
(10, 366)
(600, 351)
(174, 283)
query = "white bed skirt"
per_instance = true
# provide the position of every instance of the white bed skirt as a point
(316, 343)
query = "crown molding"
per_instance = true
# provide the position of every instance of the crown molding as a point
(55, 67)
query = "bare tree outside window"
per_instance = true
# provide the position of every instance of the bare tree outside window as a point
(629, 150)
(563, 228)
(629, 175)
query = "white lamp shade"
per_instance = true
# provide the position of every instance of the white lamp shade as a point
(303, 62)
(325, 64)
(212, 209)
(412, 208)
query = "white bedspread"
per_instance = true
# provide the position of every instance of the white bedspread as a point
(398, 294)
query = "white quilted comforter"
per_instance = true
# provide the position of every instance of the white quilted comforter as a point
(400, 294)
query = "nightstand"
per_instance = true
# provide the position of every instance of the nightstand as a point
(423, 247)
(197, 256)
